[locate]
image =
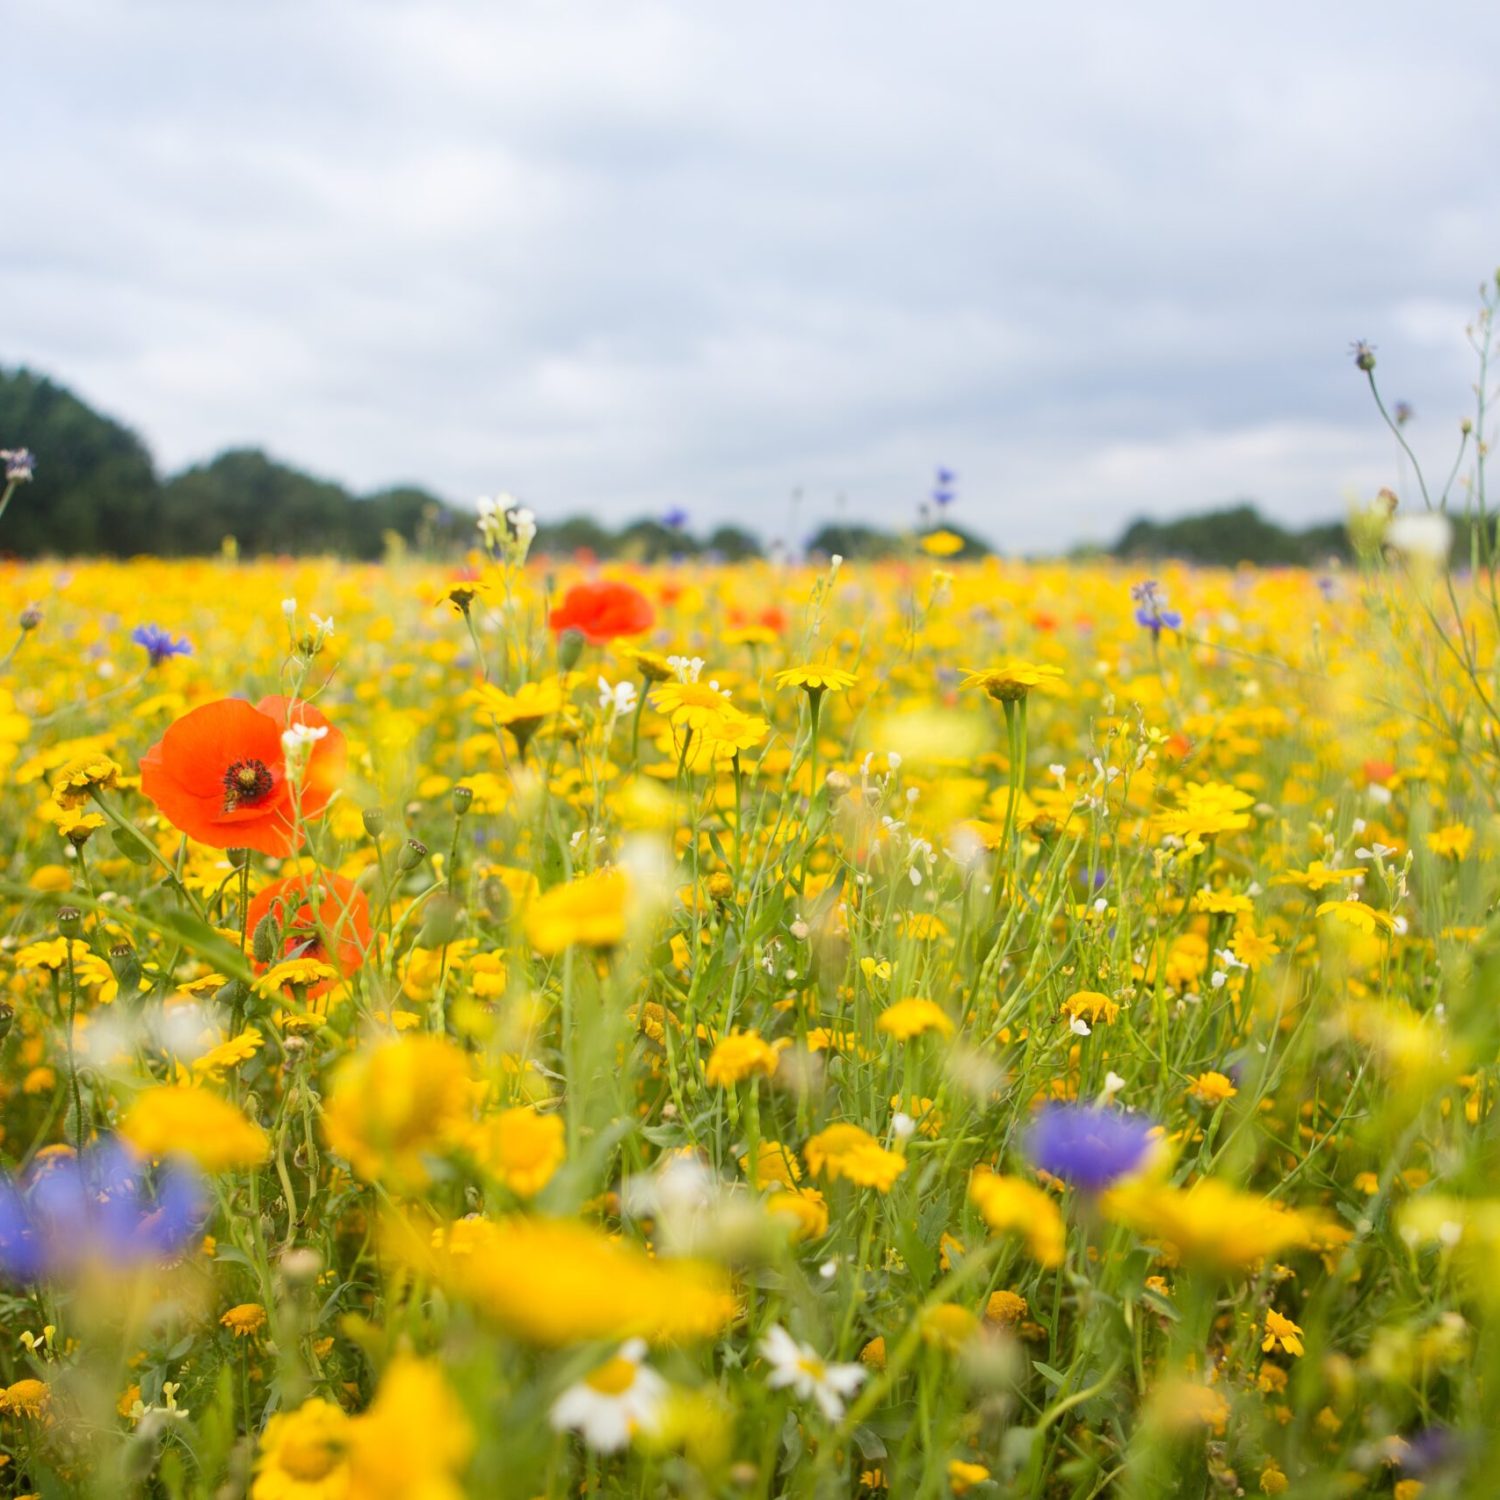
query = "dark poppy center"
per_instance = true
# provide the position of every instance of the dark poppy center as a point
(247, 782)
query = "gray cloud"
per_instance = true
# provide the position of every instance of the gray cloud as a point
(622, 256)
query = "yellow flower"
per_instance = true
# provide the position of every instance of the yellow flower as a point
(942, 543)
(911, 1017)
(1013, 1205)
(1005, 1308)
(804, 1210)
(294, 973)
(949, 1326)
(652, 665)
(395, 1103)
(26, 1398)
(1315, 877)
(217, 1061)
(847, 1151)
(244, 1319)
(774, 1163)
(415, 1439)
(739, 1057)
(523, 710)
(192, 1122)
(555, 1282)
(1363, 919)
(1212, 1089)
(1452, 842)
(80, 779)
(1012, 680)
(1272, 1480)
(1206, 810)
(1213, 1224)
(962, 1477)
(1092, 1006)
(303, 1454)
(816, 681)
(1283, 1331)
(590, 911)
(520, 1149)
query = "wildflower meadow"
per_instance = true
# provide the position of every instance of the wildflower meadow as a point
(512, 1027)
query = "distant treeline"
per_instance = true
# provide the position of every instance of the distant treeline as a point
(96, 491)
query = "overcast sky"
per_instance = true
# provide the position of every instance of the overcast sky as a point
(621, 257)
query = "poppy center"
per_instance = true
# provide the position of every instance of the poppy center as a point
(247, 782)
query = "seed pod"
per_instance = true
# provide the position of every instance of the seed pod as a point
(374, 818)
(413, 852)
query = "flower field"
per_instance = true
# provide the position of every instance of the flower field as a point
(915, 1029)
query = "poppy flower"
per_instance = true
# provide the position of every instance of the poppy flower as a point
(335, 931)
(603, 611)
(219, 773)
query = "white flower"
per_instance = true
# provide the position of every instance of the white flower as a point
(1375, 851)
(609, 1406)
(619, 698)
(322, 626)
(687, 668)
(297, 742)
(1426, 538)
(289, 607)
(1079, 1027)
(1113, 1083)
(902, 1125)
(798, 1365)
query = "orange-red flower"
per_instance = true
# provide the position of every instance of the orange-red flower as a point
(603, 611)
(219, 773)
(336, 931)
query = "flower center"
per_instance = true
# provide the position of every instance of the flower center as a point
(309, 1458)
(613, 1378)
(247, 782)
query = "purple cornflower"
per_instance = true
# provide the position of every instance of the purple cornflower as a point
(943, 493)
(68, 1211)
(159, 644)
(20, 464)
(1087, 1145)
(675, 519)
(1151, 608)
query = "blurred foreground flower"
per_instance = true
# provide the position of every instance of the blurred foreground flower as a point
(68, 1213)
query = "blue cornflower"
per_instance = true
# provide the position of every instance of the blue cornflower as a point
(159, 643)
(943, 493)
(1151, 608)
(675, 519)
(1087, 1145)
(68, 1211)
(20, 464)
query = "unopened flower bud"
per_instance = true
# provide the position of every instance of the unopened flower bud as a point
(442, 921)
(263, 944)
(300, 1267)
(125, 965)
(31, 617)
(131, 845)
(570, 646)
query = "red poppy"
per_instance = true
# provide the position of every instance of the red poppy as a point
(336, 931)
(604, 610)
(219, 773)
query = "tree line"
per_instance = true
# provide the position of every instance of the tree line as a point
(96, 491)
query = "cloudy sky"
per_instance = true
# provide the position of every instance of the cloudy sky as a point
(624, 256)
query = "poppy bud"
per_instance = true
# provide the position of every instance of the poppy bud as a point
(131, 845)
(263, 944)
(125, 965)
(69, 921)
(569, 648)
(441, 922)
(463, 799)
(413, 852)
(374, 821)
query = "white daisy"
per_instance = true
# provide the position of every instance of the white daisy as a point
(612, 1403)
(799, 1366)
